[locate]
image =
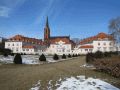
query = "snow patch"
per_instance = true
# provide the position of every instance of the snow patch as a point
(87, 66)
(36, 86)
(78, 83)
(26, 59)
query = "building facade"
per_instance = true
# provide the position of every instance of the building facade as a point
(101, 42)
(25, 45)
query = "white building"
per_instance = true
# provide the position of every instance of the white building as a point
(25, 45)
(59, 47)
(118, 47)
(18, 47)
(101, 42)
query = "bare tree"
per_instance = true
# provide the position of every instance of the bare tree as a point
(76, 40)
(114, 29)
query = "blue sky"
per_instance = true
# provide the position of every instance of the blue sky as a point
(77, 18)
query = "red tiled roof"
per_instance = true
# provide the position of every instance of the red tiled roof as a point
(100, 36)
(87, 46)
(26, 39)
(30, 47)
(57, 39)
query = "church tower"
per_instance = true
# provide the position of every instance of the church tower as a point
(47, 32)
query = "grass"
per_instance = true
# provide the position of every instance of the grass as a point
(22, 77)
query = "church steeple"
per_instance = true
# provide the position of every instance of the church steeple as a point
(47, 32)
(47, 23)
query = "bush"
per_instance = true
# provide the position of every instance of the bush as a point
(42, 58)
(18, 59)
(63, 56)
(22, 54)
(107, 54)
(76, 55)
(5, 55)
(69, 56)
(89, 57)
(110, 66)
(55, 57)
(98, 54)
(12, 54)
(73, 55)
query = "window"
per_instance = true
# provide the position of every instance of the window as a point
(86, 49)
(99, 48)
(27, 49)
(111, 48)
(8, 44)
(16, 49)
(104, 44)
(110, 44)
(68, 50)
(90, 50)
(98, 44)
(105, 48)
(13, 45)
(52, 46)
(23, 49)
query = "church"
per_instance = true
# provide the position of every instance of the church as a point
(57, 44)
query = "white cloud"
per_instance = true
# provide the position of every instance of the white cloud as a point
(4, 11)
(8, 6)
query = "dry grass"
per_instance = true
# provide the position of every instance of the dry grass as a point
(22, 77)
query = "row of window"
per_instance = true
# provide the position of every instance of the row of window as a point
(59, 46)
(62, 50)
(99, 48)
(105, 48)
(14, 44)
(105, 44)
(27, 50)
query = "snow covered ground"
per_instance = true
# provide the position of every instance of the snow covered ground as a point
(28, 59)
(78, 83)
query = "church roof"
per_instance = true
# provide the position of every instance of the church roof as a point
(54, 37)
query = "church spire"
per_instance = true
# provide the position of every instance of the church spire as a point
(47, 22)
(47, 32)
